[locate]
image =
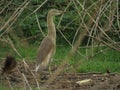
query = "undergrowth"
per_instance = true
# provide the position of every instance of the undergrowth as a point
(82, 61)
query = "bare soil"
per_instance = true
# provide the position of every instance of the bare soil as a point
(65, 81)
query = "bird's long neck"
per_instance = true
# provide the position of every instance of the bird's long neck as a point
(51, 27)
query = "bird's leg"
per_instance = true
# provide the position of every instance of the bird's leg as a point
(37, 73)
(38, 77)
(50, 70)
(37, 67)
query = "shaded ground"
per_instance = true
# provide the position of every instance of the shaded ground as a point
(64, 81)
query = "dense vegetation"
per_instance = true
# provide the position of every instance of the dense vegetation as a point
(93, 24)
(23, 25)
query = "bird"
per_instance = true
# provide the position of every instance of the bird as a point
(47, 48)
(9, 64)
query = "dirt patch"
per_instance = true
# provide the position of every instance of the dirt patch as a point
(99, 81)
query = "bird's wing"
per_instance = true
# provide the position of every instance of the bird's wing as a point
(45, 50)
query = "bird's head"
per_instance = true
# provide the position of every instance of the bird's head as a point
(55, 12)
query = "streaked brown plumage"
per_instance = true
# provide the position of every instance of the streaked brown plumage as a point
(47, 48)
(9, 64)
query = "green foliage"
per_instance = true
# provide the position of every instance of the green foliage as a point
(28, 52)
(92, 15)
(98, 66)
(109, 59)
(71, 20)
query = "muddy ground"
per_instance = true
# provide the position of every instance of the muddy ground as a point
(65, 81)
